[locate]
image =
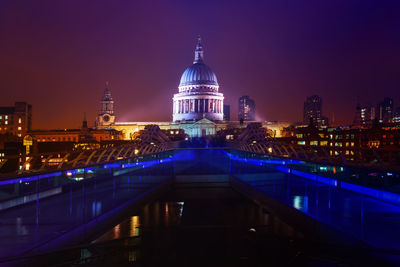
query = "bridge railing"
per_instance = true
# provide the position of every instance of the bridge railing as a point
(257, 140)
(360, 157)
(151, 140)
(31, 186)
(378, 183)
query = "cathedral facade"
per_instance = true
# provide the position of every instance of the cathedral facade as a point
(197, 108)
(198, 95)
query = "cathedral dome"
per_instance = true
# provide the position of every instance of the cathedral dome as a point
(198, 73)
(198, 97)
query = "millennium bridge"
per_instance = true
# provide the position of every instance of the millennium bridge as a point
(159, 203)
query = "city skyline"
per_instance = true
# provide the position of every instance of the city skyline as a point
(57, 58)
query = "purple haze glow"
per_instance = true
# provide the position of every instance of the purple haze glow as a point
(57, 55)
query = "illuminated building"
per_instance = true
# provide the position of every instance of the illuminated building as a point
(84, 134)
(16, 120)
(365, 115)
(385, 110)
(247, 109)
(198, 95)
(198, 107)
(312, 112)
(396, 116)
(74, 135)
(106, 116)
(351, 143)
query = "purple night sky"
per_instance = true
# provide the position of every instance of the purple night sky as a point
(57, 55)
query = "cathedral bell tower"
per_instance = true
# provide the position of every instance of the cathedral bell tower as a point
(106, 116)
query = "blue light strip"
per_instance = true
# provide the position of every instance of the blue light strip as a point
(316, 178)
(112, 165)
(259, 162)
(30, 178)
(378, 194)
(283, 169)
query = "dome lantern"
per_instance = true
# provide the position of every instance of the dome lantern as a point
(198, 53)
(198, 73)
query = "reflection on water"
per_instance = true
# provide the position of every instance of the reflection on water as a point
(193, 225)
(21, 229)
(134, 229)
(96, 209)
(117, 231)
(300, 203)
(161, 216)
(152, 215)
(127, 228)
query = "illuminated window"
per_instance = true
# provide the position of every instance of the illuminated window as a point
(299, 135)
(19, 120)
(323, 143)
(19, 128)
(19, 135)
(6, 117)
(301, 142)
(1, 117)
(6, 122)
(313, 143)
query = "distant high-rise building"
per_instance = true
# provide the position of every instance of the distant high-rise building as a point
(16, 120)
(384, 110)
(106, 116)
(247, 109)
(313, 111)
(396, 116)
(227, 112)
(365, 115)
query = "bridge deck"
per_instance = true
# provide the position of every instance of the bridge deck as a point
(34, 224)
(76, 210)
